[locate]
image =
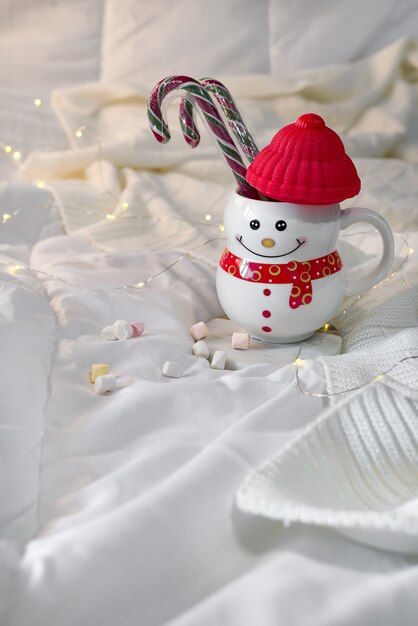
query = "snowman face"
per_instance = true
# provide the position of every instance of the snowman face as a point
(276, 230)
(263, 238)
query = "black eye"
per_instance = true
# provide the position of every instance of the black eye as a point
(254, 224)
(281, 225)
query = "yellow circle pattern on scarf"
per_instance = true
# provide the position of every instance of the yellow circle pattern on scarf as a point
(274, 270)
(255, 276)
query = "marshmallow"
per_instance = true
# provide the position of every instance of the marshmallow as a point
(108, 333)
(218, 360)
(199, 331)
(137, 329)
(98, 369)
(123, 329)
(105, 383)
(172, 369)
(200, 348)
(240, 341)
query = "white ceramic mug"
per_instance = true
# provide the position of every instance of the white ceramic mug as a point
(281, 277)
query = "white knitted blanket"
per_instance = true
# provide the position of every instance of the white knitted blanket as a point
(356, 467)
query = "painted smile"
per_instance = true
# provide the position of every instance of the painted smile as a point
(269, 256)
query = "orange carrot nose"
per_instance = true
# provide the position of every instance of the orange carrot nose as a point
(268, 243)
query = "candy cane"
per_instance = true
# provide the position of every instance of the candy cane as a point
(188, 124)
(231, 113)
(202, 99)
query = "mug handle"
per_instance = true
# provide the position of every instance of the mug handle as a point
(351, 216)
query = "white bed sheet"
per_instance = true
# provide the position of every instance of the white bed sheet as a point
(120, 509)
(132, 518)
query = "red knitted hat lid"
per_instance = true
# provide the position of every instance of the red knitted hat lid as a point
(305, 163)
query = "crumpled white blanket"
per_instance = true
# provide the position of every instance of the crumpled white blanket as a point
(372, 104)
(120, 509)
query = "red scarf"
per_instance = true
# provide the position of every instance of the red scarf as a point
(299, 274)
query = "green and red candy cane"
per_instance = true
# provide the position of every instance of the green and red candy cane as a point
(185, 86)
(231, 113)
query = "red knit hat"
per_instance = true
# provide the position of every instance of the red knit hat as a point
(305, 163)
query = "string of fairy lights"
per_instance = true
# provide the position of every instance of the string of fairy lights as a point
(207, 220)
(14, 153)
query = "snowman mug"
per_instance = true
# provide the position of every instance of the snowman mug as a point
(281, 277)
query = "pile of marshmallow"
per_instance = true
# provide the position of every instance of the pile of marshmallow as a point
(101, 379)
(104, 382)
(240, 341)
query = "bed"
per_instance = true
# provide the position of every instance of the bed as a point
(215, 497)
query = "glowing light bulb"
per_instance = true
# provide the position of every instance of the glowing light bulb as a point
(37, 102)
(110, 216)
(410, 251)
(14, 269)
(378, 378)
(8, 149)
(79, 132)
(6, 217)
(221, 227)
(16, 155)
(298, 362)
(140, 285)
(125, 205)
(40, 184)
(208, 217)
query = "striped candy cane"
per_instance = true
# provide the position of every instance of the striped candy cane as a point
(187, 122)
(231, 113)
(186, 86)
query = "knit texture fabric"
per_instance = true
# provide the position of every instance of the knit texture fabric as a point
(354, 467)
(380, 333)
(305, 163)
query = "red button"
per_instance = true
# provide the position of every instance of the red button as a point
(267, 292)
(266, 313)
(266, 329)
